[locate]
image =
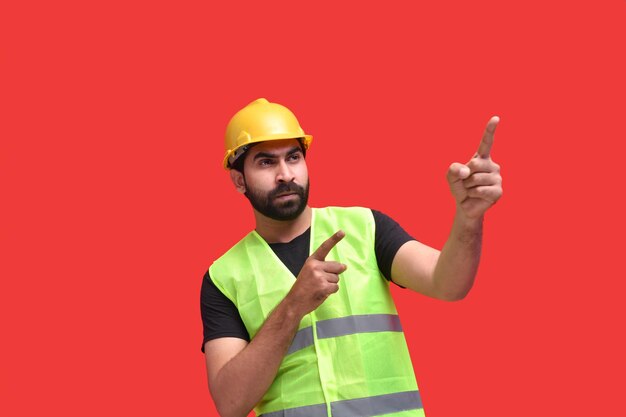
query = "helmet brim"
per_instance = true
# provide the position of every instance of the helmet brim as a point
(305, 140)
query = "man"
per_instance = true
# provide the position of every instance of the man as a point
(283, 332)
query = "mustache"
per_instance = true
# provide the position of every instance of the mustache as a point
(287, 187)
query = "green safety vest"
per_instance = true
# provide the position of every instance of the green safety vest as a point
(349, 357)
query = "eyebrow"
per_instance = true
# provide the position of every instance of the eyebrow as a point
(273, 155)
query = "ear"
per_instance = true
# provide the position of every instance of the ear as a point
(238, 179)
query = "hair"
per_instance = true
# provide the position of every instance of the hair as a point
(238, 164)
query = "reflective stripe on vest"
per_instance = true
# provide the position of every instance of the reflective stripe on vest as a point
(359, 407)
(339, 363)
(342, 326)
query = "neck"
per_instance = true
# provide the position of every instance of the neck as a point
(281, 231)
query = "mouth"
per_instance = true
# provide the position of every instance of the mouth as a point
(285, 195)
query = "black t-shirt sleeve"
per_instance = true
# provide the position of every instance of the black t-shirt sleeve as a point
(389, 237)
(220, 317)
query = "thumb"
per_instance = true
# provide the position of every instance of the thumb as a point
(457, 172)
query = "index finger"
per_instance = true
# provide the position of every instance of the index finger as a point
(322, 252)
(487, 141)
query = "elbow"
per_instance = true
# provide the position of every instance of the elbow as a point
(452, 288)
(227, 407)
(226, 410)
(226, 413)
(450, 295)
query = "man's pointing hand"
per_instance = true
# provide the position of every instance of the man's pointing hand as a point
(318, 278)
(477, 185)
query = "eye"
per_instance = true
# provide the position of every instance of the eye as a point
(266, 162)
(294, 157)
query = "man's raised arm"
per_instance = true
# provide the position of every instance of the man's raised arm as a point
(449, 274)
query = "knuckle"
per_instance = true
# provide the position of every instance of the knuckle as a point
(307, 269)
(454, 168)
(475, 164)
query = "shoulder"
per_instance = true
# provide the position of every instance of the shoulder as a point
(236, 253)
(386, 225)
(382, 219)
(344, 212)
(237, 247)
(358, 220)
(340, 209)
(227, 269)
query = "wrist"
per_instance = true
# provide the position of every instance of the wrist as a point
(468, 222)
(291, 309)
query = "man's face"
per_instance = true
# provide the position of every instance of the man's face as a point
(276, 179)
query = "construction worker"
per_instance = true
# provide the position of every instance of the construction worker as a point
(298, 317)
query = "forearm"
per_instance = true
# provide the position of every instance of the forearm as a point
(458, 262)
(242, 382)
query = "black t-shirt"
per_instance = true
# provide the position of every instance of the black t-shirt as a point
(221, 318)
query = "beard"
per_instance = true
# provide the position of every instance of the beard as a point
(286, 210)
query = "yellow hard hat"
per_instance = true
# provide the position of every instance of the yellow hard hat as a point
(260, 121)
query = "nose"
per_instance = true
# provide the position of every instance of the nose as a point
(284, 173)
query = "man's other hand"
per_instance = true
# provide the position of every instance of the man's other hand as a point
(477, 185)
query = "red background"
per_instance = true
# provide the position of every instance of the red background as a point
(114, 202)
